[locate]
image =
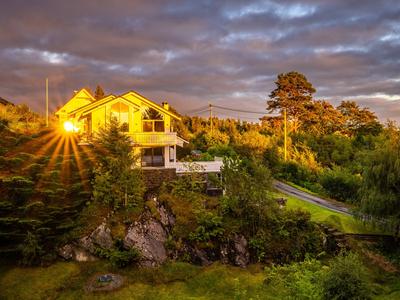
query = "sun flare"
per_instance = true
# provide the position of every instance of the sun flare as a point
(68, 126)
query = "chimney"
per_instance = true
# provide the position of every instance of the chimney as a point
(75, 92)
(165, 104)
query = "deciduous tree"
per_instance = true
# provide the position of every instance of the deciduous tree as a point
(357, 119)
(322, 118)
(380, 194)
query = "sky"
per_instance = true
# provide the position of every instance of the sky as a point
(189, 53)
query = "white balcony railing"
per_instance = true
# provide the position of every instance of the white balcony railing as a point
(153, 138)
(198, 166)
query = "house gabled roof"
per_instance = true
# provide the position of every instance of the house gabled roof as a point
(82, 93)
(151, 104)
(93, 104)
(84, 110)
(124, 97)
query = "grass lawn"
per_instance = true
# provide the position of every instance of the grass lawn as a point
(336, 220)
(66, 280)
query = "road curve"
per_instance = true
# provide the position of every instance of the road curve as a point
(287, 189)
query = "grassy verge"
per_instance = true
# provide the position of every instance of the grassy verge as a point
(343, 223)
(66, 280)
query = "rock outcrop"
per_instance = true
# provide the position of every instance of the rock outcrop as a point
(149, 235)
(83, 249)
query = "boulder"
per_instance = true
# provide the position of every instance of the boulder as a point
(100, 237)
(241, 253)
(71, 252)
(148, 236)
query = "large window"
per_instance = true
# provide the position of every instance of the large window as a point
(121, 112)
(152, 120)
(153, 157)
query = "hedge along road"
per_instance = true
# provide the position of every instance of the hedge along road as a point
(287, 189)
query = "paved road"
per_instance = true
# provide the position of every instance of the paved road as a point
(287, 189)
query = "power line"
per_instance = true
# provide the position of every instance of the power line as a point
(196, 109)
(238, 110)
(238, 117)
(206, 107)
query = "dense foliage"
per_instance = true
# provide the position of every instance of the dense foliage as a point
(380, 193)
(118, 180)
(345, 278)
(247, 208)
(51, 192)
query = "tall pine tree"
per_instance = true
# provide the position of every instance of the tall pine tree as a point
(294, 93)
(99, 92)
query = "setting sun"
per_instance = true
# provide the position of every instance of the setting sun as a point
(68, 126)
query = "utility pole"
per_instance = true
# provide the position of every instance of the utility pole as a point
(47, 102)
(211, 118)
(285, 137)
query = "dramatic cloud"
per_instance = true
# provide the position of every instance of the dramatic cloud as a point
(191, 52)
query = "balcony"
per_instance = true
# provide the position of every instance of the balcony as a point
(153, 138)
(197, 166)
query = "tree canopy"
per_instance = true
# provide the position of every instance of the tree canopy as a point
(293, 93)
(380, 194)
(357, 119)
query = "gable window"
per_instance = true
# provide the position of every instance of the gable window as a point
(152, 120)
(121, 112)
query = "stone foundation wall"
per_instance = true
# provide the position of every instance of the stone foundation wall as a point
(153, 178)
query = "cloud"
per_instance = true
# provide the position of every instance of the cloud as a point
(191, 52)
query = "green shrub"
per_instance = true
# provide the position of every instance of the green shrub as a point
(16, 161)
(22, 139)
(3, 162)
(119, 258)
(30, 250)
(34, 170)
(294, 172)
(272, 159)
(345, 279)
(222, 151)
(210, 226)
(340, 184)
(19, 188)
(206, 157)
(300, 280)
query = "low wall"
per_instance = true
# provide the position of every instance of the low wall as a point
(153, 178)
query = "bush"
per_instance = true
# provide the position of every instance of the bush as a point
(340, 184)
(346, 278)
(222, 151)
(119, 258)
(206, 157)
(271, 158)
(30, 250)
(210, 226)
(299, 279)
(292, 171)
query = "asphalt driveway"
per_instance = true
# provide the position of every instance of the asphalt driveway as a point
(289, 190)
